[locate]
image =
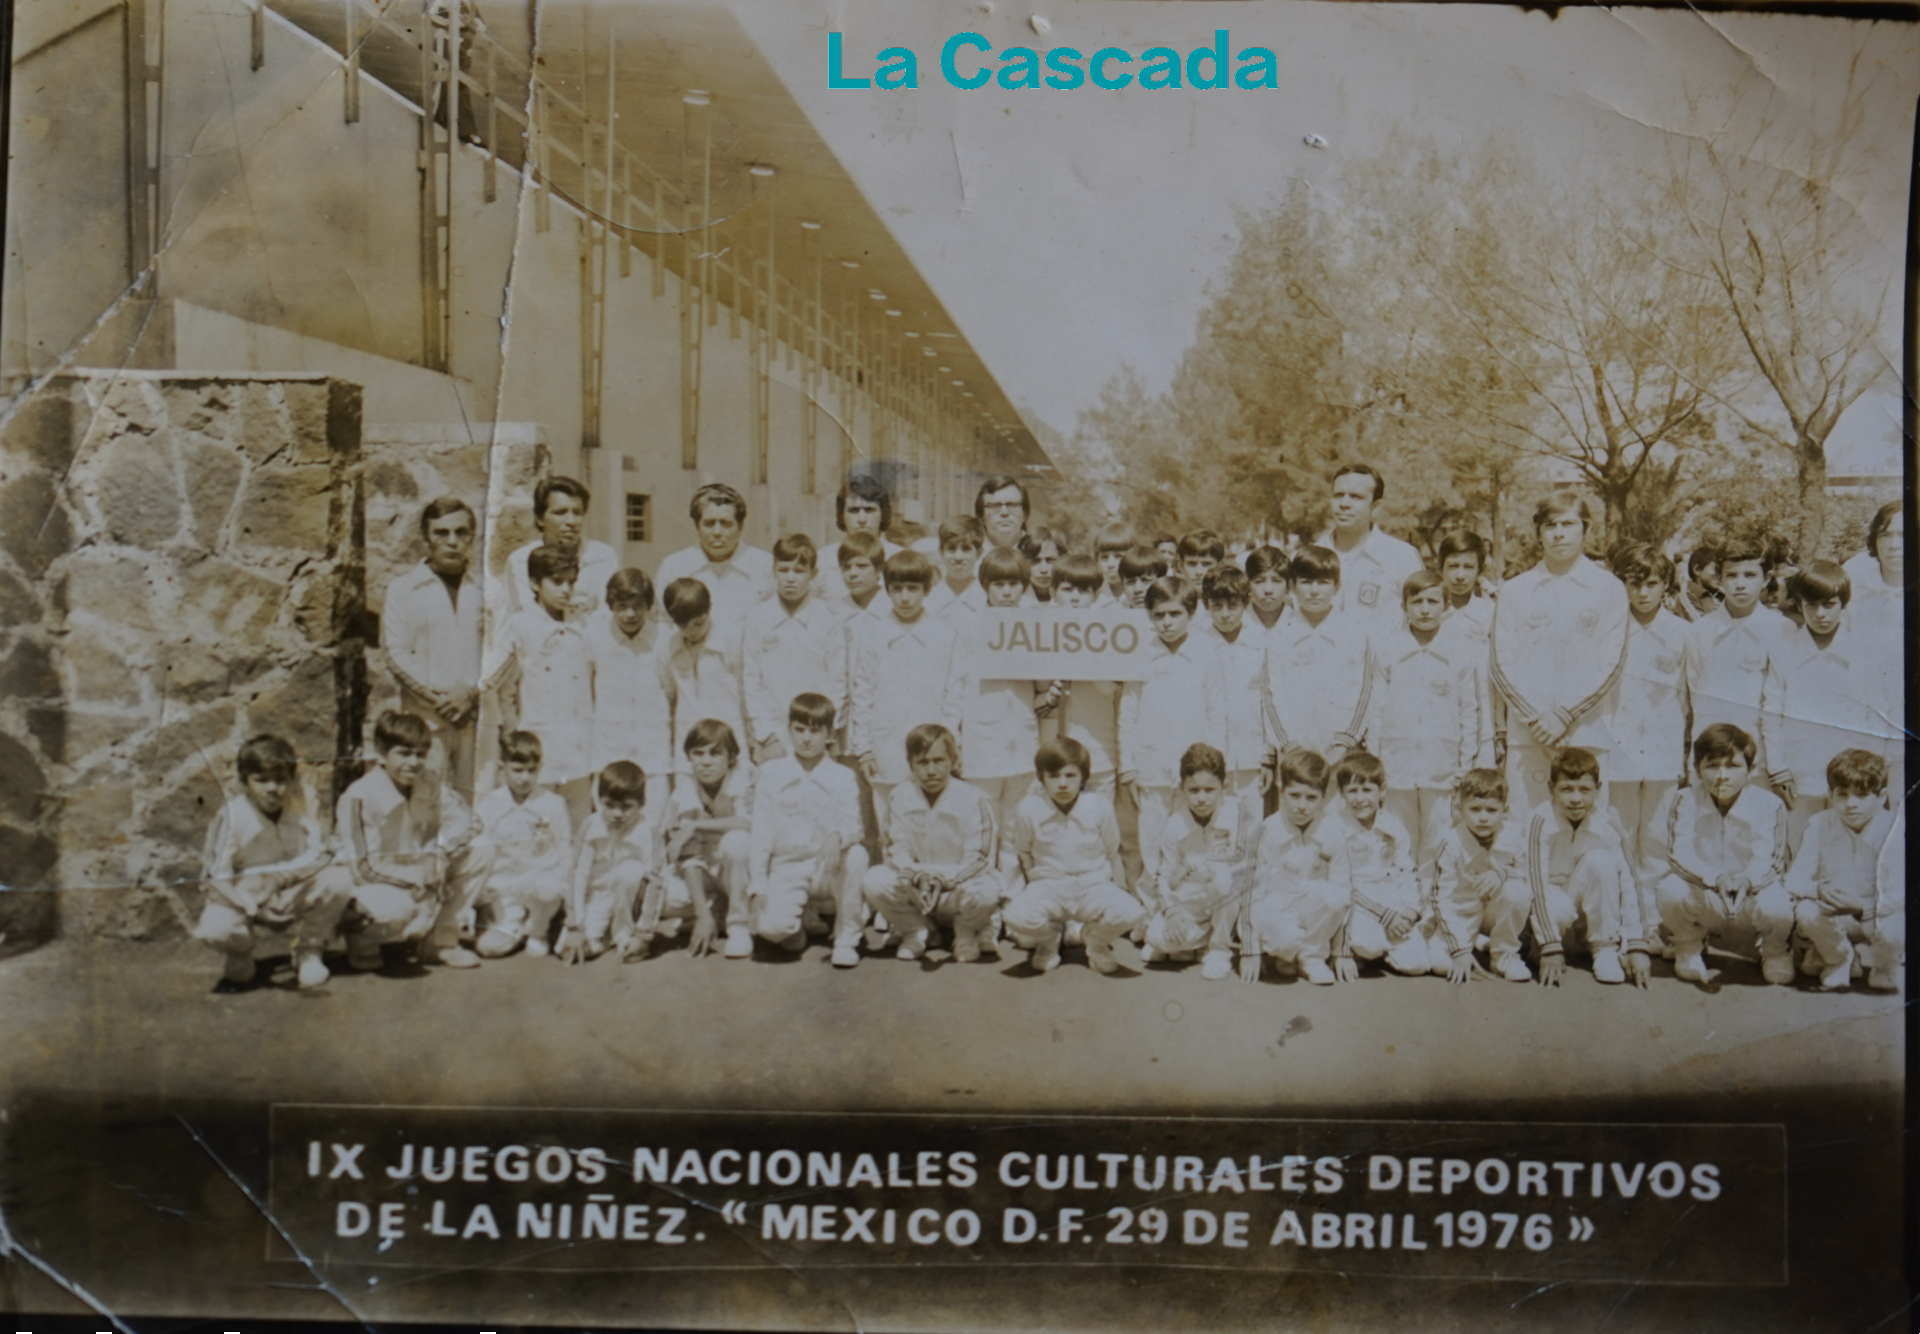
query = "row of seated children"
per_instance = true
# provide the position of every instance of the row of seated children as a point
(777, 855)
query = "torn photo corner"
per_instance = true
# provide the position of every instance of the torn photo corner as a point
(960, 666)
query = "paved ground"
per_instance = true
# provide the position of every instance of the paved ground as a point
(129, 1020)
(122, 1079)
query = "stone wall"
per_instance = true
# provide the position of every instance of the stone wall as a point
(181, 566)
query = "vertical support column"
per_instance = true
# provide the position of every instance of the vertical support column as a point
(439, 98)
(810, 407)
(692, 330)
(767, 319)
(594, 228)
(350, 52)
(145, 55)
(489, 164)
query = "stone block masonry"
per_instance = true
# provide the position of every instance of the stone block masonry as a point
(182, 565)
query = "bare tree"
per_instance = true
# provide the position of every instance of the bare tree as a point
(1770, 227)
(1552, 328)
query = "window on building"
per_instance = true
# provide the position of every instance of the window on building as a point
(637, 515)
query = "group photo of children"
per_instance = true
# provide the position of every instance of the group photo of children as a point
(1346, 757)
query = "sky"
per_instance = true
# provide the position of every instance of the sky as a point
(1072, 232)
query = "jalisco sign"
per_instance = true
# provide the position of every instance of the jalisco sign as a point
(1062, 644)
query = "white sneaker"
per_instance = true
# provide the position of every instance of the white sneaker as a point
(1690, 967)
(966, 947)
(1045, 958)
(538, 948)
(312, 972)
(1778, 970)
(1100, 958)
(739, 943)
(495, 943)
(1316, 971)
(846, 954)
(457, 957)
(1606, 966)
(1218, 964)
(912, 947)
(1839, 977)
(1514, 969)
(1883, 979)
(1148, 954)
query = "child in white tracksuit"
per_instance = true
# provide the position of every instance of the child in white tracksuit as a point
(940, 868)
(1477, 883)
(1199, 867)
(1169, 710)
(616, 856)
(1846, 879)
(1296, 908)
(1582, 877)
(1727, 841)
(1068, 844)
(1374, 859)
(1426, 728)
(532, 838)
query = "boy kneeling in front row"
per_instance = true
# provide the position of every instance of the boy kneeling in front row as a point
(1582, 878)
(1199, 868)
(805, 859)
(1068, 843)
(615, 860)
(268, 871)
(412, 849)
(939, 867)
(1728, 849)
(1846, 878)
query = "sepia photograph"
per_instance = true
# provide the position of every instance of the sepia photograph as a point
(1077, 664)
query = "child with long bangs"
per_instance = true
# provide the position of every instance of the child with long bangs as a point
(1112, 542)
(959, 590)
(704, 676)
(1139, 567)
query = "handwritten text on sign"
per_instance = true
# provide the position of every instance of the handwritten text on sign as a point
(1062, 644)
